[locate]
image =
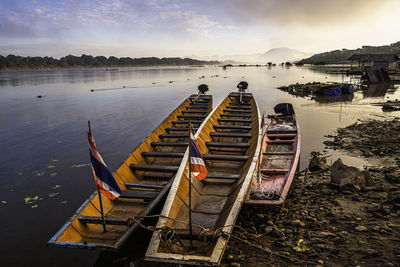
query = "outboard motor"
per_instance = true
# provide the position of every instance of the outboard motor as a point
(242, 86)
(203, 88)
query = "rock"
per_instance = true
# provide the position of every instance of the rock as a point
(230, 257)
(393, 178)
(344, 175)
(297, 222)
(361, 228)
(260, 216)
(268, 229)
(270, 223)
(234, 264)
(372, 252)
(394, 196)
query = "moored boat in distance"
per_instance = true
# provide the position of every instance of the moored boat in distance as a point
(229, 139)
(278, 159)
(144, 177)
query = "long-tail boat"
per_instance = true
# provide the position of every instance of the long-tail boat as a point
(229, 140)
(278, 159)
(144, 177)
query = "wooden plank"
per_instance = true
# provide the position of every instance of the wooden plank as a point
(153, 168)
(163, 154)
(173, 136)
(235, 115)
(225, 157)
(180, 129)
(246, 111)
(234, 120)
(191, 117)
(222, 176)
(227, 144)
(232, 134)
(144, 186)
(139, 194)
(108, 220)
(232, 127)
(279, 153)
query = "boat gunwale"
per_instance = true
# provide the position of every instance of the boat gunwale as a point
(122, 239)
(220, 244)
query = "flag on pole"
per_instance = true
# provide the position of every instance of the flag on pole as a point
(104, 179)
(198, 167)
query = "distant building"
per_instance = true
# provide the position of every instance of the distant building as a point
(374, 67)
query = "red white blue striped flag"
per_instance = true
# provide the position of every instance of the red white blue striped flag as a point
(198, 167)
(104, 179)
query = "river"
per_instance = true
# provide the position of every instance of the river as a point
(44, 172)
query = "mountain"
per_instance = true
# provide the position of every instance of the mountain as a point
(274, 55)
(341, 56)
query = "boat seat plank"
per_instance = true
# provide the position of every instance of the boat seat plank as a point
(227, 144)
(163, 154)
(237, 110)
(222, 176)
(279, 153)
(153, 167)
(279, 135)
(139, 194)
(154, 177)
(144, 186)
(226, 134)
(193, 111)
(186, 122)
(239, 107)
(232, 127)
(197, 108)
(280, 141)
(179, 129)
(169, 144)
(235, 115)
(191, 116)
(274, 170)
(108, 220)
(233, 120)
(225, 157)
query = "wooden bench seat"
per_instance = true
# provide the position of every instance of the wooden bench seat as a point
(153, 168)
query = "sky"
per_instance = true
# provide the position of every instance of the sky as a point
(192, 28)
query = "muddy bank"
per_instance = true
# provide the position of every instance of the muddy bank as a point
(369, 138)
(325, 224)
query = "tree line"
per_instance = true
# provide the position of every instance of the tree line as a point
(15, 62)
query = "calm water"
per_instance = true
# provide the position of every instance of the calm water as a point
(43, 140)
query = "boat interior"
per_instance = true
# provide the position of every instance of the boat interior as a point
(228, 141)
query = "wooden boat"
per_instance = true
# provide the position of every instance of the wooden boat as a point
(279, 159)
(229, 140)
(145, 178)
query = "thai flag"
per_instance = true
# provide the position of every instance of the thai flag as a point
(198, 167)
(104, 179)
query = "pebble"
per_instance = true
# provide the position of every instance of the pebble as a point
(298, 223)
(234, 264)
(361, 228)
(277, 233)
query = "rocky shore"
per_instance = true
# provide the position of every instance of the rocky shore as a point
(354, 221)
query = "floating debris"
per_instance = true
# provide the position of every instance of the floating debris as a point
(34, 206)
(38, 173)
(20, 173)
(50, 166)
(53, 174)
(56, 186)
(53, 194)
(59, 142)
(64, 202)
(3, 202)
(80, 165)
(54, 160)
(31, 200)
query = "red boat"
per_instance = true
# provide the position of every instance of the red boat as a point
(278, 159)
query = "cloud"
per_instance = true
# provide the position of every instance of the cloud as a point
(312, 13)
(11, 28)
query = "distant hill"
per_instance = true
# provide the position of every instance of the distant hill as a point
(341, 56)
(283, 54)
(18, 62)
(274, 55)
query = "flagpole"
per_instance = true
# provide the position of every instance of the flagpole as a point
(190, 191)
(98, 192)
